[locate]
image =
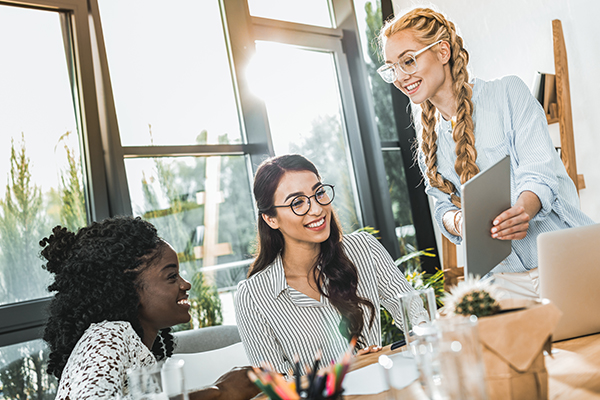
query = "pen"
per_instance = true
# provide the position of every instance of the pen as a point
(313, 375)
(297, 373)
(397, 344)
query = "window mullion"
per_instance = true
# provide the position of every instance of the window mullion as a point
(238, 29)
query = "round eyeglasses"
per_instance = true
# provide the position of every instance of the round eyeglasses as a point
(407, 64)
(300, 205)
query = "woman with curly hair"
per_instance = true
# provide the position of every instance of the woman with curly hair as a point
(118, 292)
(467, 126)
(310, 288)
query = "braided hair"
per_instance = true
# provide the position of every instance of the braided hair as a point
(96, 274)
(429, 26)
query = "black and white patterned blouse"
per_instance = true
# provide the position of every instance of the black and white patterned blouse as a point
(97, 367)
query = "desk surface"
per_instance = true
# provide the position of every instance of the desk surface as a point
(573, 368)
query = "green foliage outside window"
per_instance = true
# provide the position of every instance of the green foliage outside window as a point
(27, 215)
(410, 264)
(175, 180)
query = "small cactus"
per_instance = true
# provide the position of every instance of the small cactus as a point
(477, 302)
(473, 296)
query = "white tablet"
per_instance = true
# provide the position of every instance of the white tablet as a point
(484, 197)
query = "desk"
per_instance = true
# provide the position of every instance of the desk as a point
(573, 368)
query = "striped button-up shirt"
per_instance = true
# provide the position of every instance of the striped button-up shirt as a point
(277, 322)
(510, 121)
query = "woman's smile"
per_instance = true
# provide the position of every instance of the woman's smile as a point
(413, 87)
(317, 225)
(185, 302)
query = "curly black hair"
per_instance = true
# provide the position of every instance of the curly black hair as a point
(95, 279)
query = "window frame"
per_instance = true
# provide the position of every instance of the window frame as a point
(103, 155)
(419, 201)
(24, 321)
(359, 118)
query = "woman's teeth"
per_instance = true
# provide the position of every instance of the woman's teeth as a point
(413, 86)
(317, 224)
(184, 302)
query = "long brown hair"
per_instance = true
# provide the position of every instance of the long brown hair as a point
(340, 271)
(429, 26)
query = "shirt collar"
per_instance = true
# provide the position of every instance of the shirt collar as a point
(278, 277)
(279, 282)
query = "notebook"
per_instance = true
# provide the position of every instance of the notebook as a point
(484, 197)
(569, 268)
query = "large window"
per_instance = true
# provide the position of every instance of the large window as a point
(179, 126)
(302, 83)
(286, 78)
(48, 126)
(169, 72)
(40, 162)
(310, 12)
(369, 18)
(164, 111)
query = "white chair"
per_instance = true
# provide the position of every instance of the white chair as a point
(203, 369)
(204, 339)
(208, 353)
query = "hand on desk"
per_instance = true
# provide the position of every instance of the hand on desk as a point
(513, 223)
(367, 350)
(233, 385)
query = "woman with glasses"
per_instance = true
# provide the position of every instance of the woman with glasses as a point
(467, 126)
(310, 289)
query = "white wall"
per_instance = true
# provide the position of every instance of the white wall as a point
(514, 37)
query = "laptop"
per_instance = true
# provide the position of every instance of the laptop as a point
(484, 197)
(569, 268)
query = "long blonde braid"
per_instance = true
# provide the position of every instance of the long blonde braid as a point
(430, 26)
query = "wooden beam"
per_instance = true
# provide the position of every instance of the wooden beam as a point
(452, 273)
(563, 96)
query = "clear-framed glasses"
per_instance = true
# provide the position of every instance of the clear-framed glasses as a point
(300, 205)
(407, 64)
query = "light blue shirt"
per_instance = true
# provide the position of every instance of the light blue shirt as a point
(510, 121)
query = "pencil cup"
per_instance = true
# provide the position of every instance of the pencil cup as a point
(418, 310)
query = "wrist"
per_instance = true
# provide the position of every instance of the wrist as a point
(209, 393)
(458, 222)
(451, 222)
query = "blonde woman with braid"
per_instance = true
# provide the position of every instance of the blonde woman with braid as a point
(465, 126)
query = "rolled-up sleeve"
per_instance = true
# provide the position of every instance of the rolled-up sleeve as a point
(442, 203)
(258, 338)
(531, 146)
(391, 282)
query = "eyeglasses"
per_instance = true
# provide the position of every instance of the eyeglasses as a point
(300, 205)
(407, 64)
